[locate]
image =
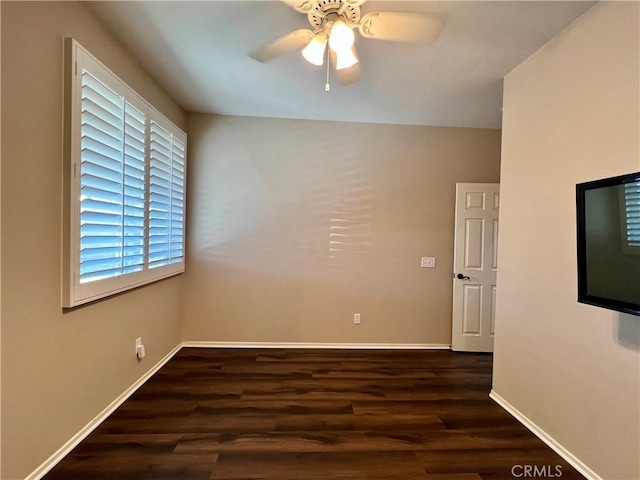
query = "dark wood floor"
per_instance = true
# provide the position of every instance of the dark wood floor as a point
(313, 415)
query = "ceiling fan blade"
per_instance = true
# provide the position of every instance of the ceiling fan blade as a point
(355, 3)
(346, 76)
(402, 26)
(295, 40)
(302, 6)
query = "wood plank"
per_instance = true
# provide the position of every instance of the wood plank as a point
(320, 466)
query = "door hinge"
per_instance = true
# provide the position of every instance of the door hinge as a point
(75, 68)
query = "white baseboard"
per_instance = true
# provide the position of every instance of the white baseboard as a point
(53, 460)
(546, 438)
(351, 346)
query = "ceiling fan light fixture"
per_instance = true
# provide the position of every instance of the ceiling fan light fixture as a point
(341, 38)
(314, 51)
(345, 59)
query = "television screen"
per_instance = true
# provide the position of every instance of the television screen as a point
(608, 219)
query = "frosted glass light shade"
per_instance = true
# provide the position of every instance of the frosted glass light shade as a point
(341, 37)
(346, 59)
(314, 51)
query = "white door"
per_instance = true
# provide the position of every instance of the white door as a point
(475, 262)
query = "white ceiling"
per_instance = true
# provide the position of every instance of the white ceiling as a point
(198, 52)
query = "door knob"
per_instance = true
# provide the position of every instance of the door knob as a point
(462, 277)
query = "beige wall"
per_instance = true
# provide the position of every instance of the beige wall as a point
(294, 226)
(570, 115)
(60, 370)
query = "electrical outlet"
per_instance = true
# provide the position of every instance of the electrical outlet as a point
(140, 351)
(428, 262)
(356, 318)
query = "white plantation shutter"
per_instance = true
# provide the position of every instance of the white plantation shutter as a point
(101, 168)
(177, 200)
(632, 213)
(134, 189)
(112, 183)
(166, 197)
(125, 190)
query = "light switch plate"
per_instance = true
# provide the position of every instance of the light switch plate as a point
(428, 262)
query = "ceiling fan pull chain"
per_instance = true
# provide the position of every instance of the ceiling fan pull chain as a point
(327, 87)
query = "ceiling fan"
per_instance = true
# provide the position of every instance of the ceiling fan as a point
(333, 23)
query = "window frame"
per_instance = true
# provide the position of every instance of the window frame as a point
(74, 292)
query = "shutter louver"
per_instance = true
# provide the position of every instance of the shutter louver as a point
(166, 197)
(112, 183)
(632, 209)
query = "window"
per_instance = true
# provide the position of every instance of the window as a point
(632, 214)
(124, 185)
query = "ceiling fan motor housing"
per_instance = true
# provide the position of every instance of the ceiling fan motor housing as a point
(327, 10)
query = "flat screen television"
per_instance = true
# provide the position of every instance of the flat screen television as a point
(608, 219)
